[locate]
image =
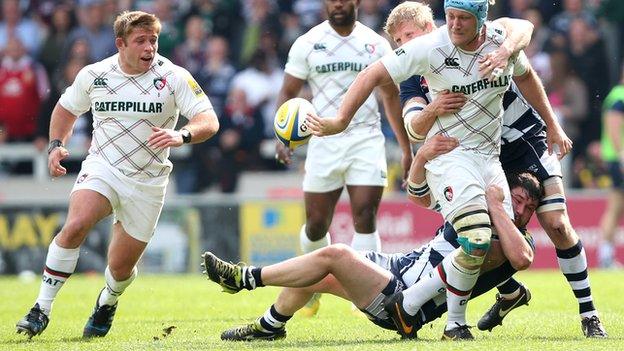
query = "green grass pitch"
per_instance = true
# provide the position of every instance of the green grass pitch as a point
(199, 312)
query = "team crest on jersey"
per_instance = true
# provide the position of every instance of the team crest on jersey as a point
(370, 48)
(448, 193)
(160, 83)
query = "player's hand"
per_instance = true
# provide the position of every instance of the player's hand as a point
(55, 157)
(436, 146)
(447, 103)
(406, 163)
(163, 138)
(494, 63)
(282, 153)
(494, 194)
(556, 137)
(324, 126)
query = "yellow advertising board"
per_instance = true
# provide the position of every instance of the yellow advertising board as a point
(270, 231)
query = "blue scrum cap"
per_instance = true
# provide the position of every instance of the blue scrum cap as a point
(478, 8)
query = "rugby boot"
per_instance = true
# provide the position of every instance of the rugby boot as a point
(252, 331)
(312, 306)
(407, 325)
(462, 332)
(228, 275)
(592, 328)
(494, 316)
(34, 323)
(100, 321)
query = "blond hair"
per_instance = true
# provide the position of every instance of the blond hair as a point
(127, 21)
(419, 14)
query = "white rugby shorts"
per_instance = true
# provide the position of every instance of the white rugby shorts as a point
(355, 159)
(136, 205)
(459, 179)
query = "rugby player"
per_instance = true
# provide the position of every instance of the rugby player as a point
(524, 148)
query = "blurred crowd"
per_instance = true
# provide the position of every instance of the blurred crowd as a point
(236, 49)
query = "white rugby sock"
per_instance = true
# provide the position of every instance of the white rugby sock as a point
(459, 283)
(114, 288)
(424, 290)
(308, 245)
(60, 264)
(366, 242)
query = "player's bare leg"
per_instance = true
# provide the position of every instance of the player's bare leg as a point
(336, 269)
(124, 252)
(86, 208)
(608, 225)
(364, 206)
(553, 217)
(319, 213)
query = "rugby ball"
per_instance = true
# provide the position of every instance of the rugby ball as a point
(289, 124)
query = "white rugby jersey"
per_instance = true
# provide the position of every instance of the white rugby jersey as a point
(125, 107)
(330, 63)
(446, 67)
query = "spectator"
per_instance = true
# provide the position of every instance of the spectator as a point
(190, 53)
(26, 30)
(52, 53)
(568, 97)
(239, 140)
(198, 172)
(309, 12)
(371, 14)
(169, 35)
(589, 62)
(535, 51)
(260, 19)
(560, 23)
(259, 82)
(23, 86)
(94, 30)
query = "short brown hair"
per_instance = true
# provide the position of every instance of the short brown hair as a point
(127, 21)
(419, 14)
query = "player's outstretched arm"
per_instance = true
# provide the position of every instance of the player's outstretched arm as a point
(519, 34)
(372, 76)
(417, 188)
(514, 246)
(61, 126)
(392, 105)
(291, 87)
(533, 91)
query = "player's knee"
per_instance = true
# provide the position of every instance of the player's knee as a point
(557, 225)
(316, 230)
(474, 232)
(334, 252)
(73, 233)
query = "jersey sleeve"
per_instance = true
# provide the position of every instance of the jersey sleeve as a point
(412, 88)
(297, 64)
(76, 98)
(521, 64)
(189, 96)
(408, 60)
